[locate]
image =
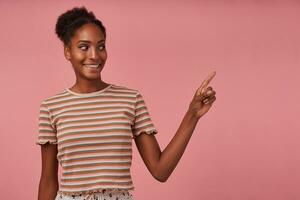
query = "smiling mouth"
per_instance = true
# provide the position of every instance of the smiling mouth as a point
(92, 65)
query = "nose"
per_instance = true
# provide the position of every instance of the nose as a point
(93, 54)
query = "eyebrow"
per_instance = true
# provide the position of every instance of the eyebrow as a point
(87, 41)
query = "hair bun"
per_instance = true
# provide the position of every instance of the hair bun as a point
(68, 22)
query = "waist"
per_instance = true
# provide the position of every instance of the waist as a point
(98, 191)
(96, 194)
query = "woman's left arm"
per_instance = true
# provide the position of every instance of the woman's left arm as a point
(162, 163)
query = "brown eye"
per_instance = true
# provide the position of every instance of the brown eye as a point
(102, 47)
(84, 47)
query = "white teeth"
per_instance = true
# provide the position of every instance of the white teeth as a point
(92, 66)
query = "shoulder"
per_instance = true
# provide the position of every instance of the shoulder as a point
(124, 90)
(58, 96)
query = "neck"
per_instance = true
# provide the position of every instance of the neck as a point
(87, 86)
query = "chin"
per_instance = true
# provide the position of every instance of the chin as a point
(92, 78)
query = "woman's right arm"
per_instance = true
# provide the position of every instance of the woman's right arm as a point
(48, 185)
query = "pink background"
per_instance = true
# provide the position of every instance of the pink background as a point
(246, 147)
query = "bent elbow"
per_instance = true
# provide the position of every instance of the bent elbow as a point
(159, 175)
(161, 179)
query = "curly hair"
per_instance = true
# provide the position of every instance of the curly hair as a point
(68, 22)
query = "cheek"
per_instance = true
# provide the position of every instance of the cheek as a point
(77, 56)
(103, 55)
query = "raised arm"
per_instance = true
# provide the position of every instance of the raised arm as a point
(162, 163)
(48, 184)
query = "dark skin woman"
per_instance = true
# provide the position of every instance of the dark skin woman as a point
(87, 54)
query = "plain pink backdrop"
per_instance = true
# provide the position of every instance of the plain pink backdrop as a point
(246, 147)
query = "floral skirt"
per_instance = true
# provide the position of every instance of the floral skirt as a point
(105, 194)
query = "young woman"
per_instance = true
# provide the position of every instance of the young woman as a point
(88, 128)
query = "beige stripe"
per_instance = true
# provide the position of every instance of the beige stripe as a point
(118, 177)
(110, 114)
(97, 151)
(97, 139)
(103, 164)
(95, 158)
(144, 121)
(92, 120)
(97, 183)
(74, 133)
(110, 151)
(62, 95)
(98, 125)
(98, 98)
(140, 109)
(85, 139)
(83, 152)
(91, 172)
(97, 109)
(96, 144)
(91, 104)
(144, 127)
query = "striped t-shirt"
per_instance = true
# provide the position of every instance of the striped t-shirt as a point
(94, 132)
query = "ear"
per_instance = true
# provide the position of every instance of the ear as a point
(67, 52)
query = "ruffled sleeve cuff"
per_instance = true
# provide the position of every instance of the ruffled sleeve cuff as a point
(152, 131)
(42, 142)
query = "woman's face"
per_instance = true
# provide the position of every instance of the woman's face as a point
(87, 52)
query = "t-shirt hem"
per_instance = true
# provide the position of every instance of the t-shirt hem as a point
(100, 190)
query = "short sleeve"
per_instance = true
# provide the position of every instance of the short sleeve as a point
(46, 130)
(142, 119)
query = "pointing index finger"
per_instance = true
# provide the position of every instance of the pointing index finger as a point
(210, 77)
(206, 82)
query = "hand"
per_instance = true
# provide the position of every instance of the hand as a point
(203, 98)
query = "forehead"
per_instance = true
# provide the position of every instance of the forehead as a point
(89, 32)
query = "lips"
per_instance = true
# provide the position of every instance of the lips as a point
(92, 65)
